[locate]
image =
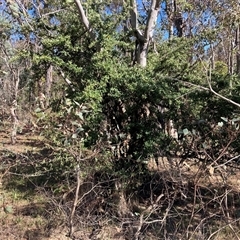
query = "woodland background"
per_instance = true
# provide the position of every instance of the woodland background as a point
(120, 119)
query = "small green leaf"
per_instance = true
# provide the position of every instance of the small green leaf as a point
(204, 145)
(185, 131)
(80, 115)
(235, 120)
(74, 136)
(224, 119)
(68, 102)
(8, 209)
(37, 110)
(194, 132)
(122, 135)
(80, 129)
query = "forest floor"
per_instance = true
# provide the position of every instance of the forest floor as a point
(22, 210)
(25, 212)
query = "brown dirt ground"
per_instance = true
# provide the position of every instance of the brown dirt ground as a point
(25, 222)
(25, 142)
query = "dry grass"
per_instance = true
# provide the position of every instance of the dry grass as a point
(207, 204)
(27, 218)
(25, 142)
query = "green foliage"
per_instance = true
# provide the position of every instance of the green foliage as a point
(121, 109)
(127, 108)
(221, 68)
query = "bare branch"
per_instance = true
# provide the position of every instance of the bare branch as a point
(224, 98)
(185, 83)
(225, 163)
(149, 210)
(152, 19)
(208, 76)
(144, 39)
(211, 90)
(84, 18)
(221, 228)
(75, 202)
(65, 78)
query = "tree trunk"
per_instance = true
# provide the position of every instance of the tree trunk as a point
(17, 80)
(142, 53)
(144, 39)
(230, 58)
(170, 13)
(14, 122)
(212, 57)
(237, 44)
(48, 86)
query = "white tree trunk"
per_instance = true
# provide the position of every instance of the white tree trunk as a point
(48, 86)
(14, 122)
(84, 18)
(142, 54)
(230, 57)
(237, 44)
(145, 38)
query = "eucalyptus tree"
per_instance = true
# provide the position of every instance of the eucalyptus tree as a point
(144, 34)
(10, 70)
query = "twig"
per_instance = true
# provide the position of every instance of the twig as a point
(200, 224)
(221, 165)
(209, 79)
(141, 220)
(220, 229)
(75, 202)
